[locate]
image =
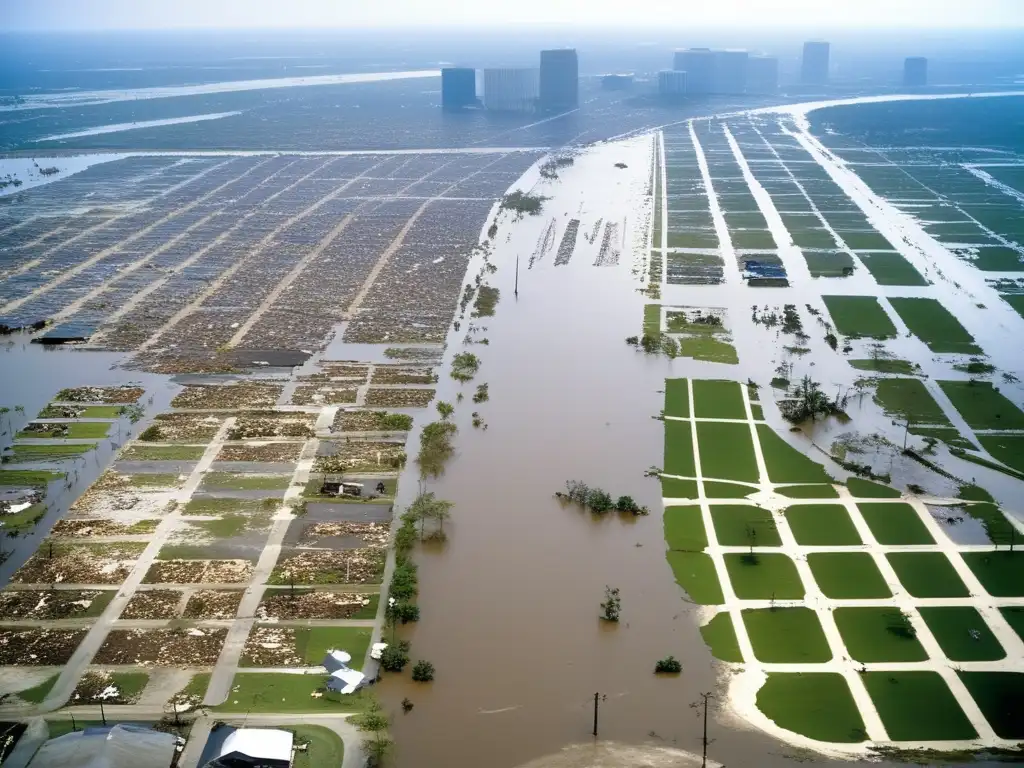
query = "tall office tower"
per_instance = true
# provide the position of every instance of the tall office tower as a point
(762, 74)
(511, 89)
(730, 72)
(699, 66)
(814, 68)
(458, 87)
(915, 72)
(671, 83)
(559, 79)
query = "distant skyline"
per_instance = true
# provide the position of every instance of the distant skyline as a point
(69, 15)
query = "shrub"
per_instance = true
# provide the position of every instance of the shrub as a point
(404, 612)
(151, 434)
(423, 672)
(445, 409)
(404, 581)
(612, 605)
(395, 657)
(599, 501)
(670, 665)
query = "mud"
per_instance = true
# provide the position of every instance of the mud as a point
(88, 528)
(213, 604)
(272, 424)
(246, 394)
(182, 428)
(345, 535)
(186, 647)
(303, 604)
(46, 647)
(152, 604)
(79, 564)
(323, 394)
(48, 604)
(263, 452)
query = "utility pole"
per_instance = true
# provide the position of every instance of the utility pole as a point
(702, 712)
(597, 697)
(103, 715)
(517, 276)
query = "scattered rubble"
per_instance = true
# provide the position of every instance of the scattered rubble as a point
(38, 647)
(379, 397)
(199, 572)
(79, 564)
(214, 604)
(285, 452)
(108, 395)
(271, 647)
(353, 566)
(245, 394)
(306, 604)
(152, 604)
(48, 604)
(182, 647)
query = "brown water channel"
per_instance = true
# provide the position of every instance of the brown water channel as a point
(510, 604)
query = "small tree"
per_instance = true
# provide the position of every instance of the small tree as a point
(395, 657)
(445, 409)
(423, 671)
(612, 605)
(670, 665)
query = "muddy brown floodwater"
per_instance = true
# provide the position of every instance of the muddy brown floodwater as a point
(510, 604)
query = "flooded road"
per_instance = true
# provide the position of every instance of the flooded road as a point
(510, 604)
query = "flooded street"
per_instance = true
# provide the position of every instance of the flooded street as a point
(510, 604)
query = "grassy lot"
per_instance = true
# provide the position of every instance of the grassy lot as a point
(757, 412)
(764, 577)
(141, 452)
(822, 525)
(314, 643)
(1016, 301)
(242, 482)
(368, 611)
(909, 398)
(156, 480)
(867, 240)
(997, 526)
(895, 523)
(196, 686)
(131, 684)
(679, 449)
(847, 575)
(672, 488)
(677, 397)
(718, 490)
(203, 506)
(720, 636)
(324, 747)
(28, 478)
(739, 525)
(714, 399)
(1008, 449)
(983, 462)
(927, 574)
(869, 635)
(1015, 618)
(36, 694)
(652, 319)
(76, 431)
(787, 636)
(726, 451)
(997, 259)
(808, 492)
(917, 706)
(23, 521)
(865, 489)
(785, 464)
(891, 269)
(684, 529)
(982, 406)
(948, 435)
(1000, 573)
(884, 366)
(232, 524)
(708, 349)
(816, 705)
(828, 264)
(952, 627)
(24, 452)
(63, 726)
(695, 573)
(859, 317)
(998, 695)
(282, 692)
(935, 325)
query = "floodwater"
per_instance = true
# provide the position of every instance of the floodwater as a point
(510, 605)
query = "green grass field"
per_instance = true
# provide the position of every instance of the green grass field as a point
(917, 706)
(1000, 573)
(677, 397)
(28, 478)
(720, 636)
(708, 349)
(808, 492)
(828, 264)
(1008, 449)
(953, 627)
(891, 269)
(715, 399)
(859, 317)
(982, 406)
(684, 529)
(718, 490)
(869, 636)
(883, 365)
(37, 693)
(1015, 618)
(786, 636)
(282, 692)
(909, 398)
(695, 573)
(816, 705)
(764, 576)
(314, 642)
(244, 482)
(895, 523)
(679, 449)
(673, 488)
(865, 489)
(822, 525)
(76, 431)
(652, 319)
(323, 747)
(740, 525)
(998, 695)
(785, 464)
(847, 575)
(142, 452)
(27, 453)
(927, 574)
(934, 325)
(726, 451)
(212, 506)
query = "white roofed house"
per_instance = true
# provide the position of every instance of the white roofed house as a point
(255, 748)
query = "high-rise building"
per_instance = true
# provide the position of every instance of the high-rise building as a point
(814, 67)
(730, 74)
(559, 79)
(915, 72)
(762, 74)
(511, 89)
(458, 87)
(699, 66)
(671, 83)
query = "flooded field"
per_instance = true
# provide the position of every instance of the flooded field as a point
(741, 394)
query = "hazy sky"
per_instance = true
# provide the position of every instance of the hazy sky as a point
(137, 14)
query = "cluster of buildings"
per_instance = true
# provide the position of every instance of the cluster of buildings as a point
(554, 86)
